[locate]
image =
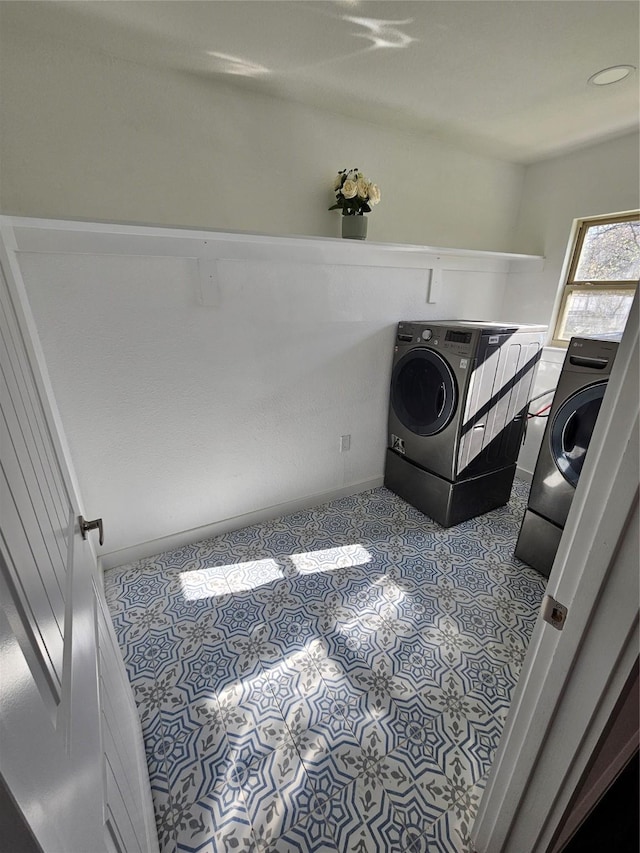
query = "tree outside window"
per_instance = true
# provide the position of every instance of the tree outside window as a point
(602, 280)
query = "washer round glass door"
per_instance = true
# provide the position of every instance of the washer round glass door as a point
(572, 429)
(423, 391)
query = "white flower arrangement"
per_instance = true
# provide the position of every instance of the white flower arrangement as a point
(355, 194)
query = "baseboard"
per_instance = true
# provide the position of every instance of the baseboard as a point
(188, 537)
(523, 474)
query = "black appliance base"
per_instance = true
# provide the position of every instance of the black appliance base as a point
(538, 542)
(445, 502)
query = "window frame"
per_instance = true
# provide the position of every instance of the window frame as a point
(571, 284)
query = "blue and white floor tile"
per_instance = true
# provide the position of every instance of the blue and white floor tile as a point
(332, 681)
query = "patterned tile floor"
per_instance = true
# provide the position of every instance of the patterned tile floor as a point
(336, 680)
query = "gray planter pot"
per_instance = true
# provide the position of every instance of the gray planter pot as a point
(354, 227)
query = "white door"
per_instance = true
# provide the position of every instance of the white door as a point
(71, 750)
(572, 679)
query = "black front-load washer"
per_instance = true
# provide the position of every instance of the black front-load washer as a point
(458, 397)
(424, 391)
(572, 418)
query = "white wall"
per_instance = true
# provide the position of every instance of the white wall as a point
(193, 391)
(89, 136)
(594, 181)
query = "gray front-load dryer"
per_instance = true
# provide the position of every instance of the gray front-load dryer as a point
(458, 398)
(576, 404)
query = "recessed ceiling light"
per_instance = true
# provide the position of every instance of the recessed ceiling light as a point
(611, 75)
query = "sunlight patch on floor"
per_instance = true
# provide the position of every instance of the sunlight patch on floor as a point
(311, 562)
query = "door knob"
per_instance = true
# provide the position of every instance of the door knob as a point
(96, 524)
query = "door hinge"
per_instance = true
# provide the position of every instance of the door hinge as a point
(553, 612)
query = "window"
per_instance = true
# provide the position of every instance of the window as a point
(602, 280)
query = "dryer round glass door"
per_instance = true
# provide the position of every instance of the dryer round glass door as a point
(572, 429)
(423, 391)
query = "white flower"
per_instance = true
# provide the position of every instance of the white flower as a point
(374, 193)
(362, 187)
(355, 193)
(349, 188)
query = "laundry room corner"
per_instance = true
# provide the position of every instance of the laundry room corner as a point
(238, 360)
(544, 386)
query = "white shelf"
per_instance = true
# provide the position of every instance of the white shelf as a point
(71, 236)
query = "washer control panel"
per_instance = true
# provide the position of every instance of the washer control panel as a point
(457, 342)
(454, 341)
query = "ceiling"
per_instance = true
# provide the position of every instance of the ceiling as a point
(505, 78)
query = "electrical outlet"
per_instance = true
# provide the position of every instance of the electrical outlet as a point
(345, 443)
